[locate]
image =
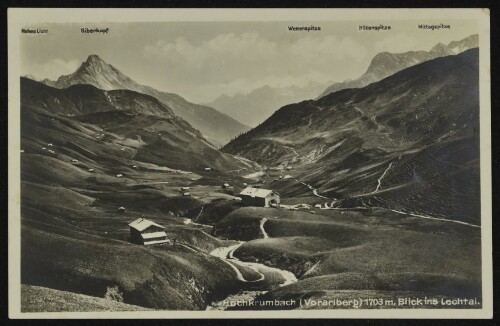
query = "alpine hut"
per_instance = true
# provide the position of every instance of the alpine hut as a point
(147, 232)
(259, 197)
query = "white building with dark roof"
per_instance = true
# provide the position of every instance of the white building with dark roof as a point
(259, 197)
(147, 232)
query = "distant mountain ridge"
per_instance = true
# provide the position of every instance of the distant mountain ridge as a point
(217, 127)
(258, 105)
(385, 64)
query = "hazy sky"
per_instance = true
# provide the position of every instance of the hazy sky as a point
(202, 60)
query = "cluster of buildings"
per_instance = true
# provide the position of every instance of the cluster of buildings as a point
(146, 232)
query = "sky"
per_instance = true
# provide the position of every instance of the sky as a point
(202, 60)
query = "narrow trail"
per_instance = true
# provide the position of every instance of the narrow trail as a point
(199, 214)
(434, 218)
(380, 127)
(359, 110)
(152, 183)
(227, 255)
(222, 254)
(362, 116)
(293, 150)
(187, 247)
(379, 181)
(188, 221)
(312, 268)
(404, 213)
(314, 190)
(264, 233)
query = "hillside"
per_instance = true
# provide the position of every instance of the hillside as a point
(385, 64)
(217, 127)
(85, 153)
(40, 299)
(125, 123)
(364, 253)
(397, 143)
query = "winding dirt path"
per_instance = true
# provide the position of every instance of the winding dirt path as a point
(227, 255)
(314, 190)
(264, 233)
(379, 180)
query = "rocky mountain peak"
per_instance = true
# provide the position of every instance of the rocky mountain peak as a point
(441, 50)
(94, 59)
(96, 64)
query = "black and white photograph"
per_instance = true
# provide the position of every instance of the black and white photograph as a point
(246, 164)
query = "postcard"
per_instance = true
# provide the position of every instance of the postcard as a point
(249, 163)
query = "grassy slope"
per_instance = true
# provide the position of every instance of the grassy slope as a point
(74, 238)
(40, 299)
(159, 277)
(365, 250)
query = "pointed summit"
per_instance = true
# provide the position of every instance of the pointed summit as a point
(95, 59)
(97, 72)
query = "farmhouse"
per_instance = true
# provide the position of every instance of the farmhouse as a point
(147, 232)
(259, 197)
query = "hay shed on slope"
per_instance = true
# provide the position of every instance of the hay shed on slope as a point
(146, 232)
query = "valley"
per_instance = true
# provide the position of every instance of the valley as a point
(378, 186)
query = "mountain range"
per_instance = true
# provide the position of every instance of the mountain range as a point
(258, 105)
(217, 127)
(385, 64)
(398, 143)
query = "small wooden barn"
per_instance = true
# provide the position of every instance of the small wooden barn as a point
(259, 197)
(147, 232)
